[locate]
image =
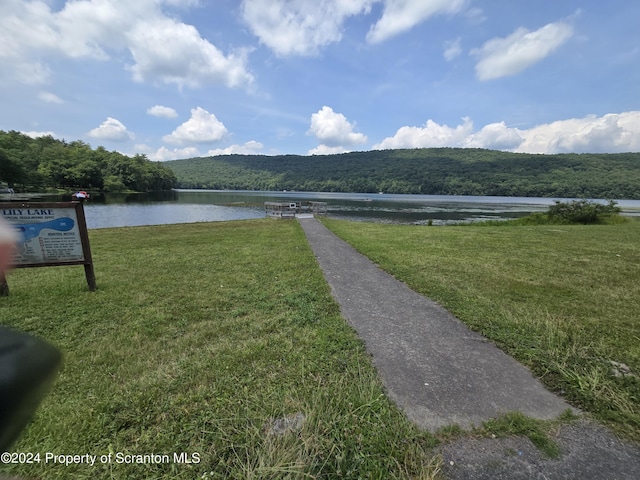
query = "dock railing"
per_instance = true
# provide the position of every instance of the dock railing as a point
(291, 209)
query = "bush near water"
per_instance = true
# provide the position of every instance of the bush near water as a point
(582, 211)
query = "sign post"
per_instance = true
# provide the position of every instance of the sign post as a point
(53, 234)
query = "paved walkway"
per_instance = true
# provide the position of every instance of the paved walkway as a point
(434, 368)
(440, 373)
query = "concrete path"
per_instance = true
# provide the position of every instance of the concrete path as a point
(440, 373)
(434, 368)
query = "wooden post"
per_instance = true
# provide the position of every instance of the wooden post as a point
(86, 249)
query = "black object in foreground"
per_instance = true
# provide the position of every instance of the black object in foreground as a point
(28, 367)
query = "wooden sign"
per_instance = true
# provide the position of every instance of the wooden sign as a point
(52, 234)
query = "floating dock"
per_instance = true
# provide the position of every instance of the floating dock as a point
(294, 209)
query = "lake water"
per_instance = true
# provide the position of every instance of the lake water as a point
(188, 206)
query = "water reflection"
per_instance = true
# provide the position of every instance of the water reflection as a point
(161, 213)
(187, 206)
(137, 198)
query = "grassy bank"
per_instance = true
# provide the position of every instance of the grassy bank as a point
(198, 337)
(564, 300)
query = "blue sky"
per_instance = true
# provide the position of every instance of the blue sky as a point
(182, 78)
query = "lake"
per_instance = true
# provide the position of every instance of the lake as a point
(188, 206)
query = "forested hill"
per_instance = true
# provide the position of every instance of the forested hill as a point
(437, 171)
(43, 163)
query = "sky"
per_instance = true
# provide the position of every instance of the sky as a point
(175, 79)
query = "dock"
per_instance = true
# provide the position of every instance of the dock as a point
(294, 209)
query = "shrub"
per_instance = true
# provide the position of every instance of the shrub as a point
(582, 211)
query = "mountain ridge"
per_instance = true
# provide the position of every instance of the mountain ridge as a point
(431, 171)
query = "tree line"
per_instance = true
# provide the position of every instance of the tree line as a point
(47, 163)
(433, 171)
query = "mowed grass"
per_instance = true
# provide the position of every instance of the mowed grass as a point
(564, 300)
(198, 337)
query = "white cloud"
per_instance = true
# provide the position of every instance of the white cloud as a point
(23, 25)
(300, 27)
(183, 3)
(431, 135)
(163, 48)
(161, 111)
(90, 28)
(22, 71)
(202, 127)
(34, 134)
(334, 129)
(49, 97)
(111, 129)
(475, 16)
(401, 15)
(610, 133)
(452, 49)
(501, 57)
(495, 136)
(80, 29)
(250, 148)
(174, 52)
(326, 150)
(163, 154)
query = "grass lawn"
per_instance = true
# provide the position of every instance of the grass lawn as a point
(198, 337)
(563, 300)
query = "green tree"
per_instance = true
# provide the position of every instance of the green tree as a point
(11, 171)
(48, 162)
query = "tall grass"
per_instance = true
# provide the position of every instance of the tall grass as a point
(562, 299)
(198, 338)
